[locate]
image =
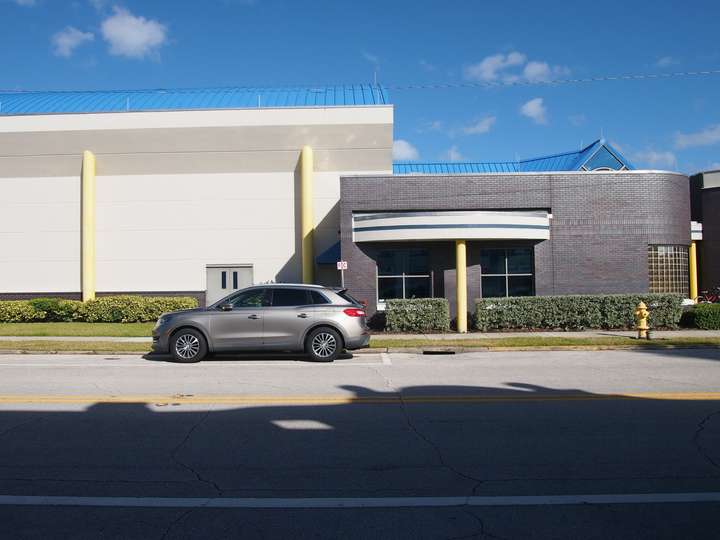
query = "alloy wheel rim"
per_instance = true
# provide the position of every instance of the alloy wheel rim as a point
(187, 346)
(324, 344)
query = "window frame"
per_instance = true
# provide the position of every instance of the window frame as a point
(403, 276)
(507, 275)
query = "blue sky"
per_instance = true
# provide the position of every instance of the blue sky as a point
(101, 44)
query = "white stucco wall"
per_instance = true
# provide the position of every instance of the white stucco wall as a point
(176, 191)
(40, 234)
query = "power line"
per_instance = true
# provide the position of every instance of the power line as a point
(552, 82)
(451, 85)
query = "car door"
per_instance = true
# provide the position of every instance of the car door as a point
(290, 314)
(242, 326)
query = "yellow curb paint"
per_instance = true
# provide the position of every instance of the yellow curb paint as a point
(349, 400)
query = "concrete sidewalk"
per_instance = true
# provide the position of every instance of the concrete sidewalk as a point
(432, 337)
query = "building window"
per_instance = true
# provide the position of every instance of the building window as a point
(668, 269)
(603, 160)
(507, 272)
(403, 274)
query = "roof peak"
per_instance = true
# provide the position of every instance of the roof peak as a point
(563, 161)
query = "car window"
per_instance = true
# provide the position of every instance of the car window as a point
(289, 297)
(346, 296)
(251, 298)
(318, 298)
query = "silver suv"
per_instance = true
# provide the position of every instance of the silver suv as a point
(320, 321)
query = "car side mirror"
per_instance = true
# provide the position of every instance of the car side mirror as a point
(225, 307)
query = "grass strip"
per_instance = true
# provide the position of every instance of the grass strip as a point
(541, 342)
(50, 346)
(489, 343)
(81, 329)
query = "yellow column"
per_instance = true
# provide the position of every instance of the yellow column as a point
(461, 284)
(693, 270)
(307, 220)
(88, 227)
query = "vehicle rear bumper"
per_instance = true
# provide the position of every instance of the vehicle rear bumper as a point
(357, 342)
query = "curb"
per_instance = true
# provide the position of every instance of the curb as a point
(412, 350)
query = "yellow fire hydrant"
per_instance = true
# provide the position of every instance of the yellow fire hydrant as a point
(641, 320)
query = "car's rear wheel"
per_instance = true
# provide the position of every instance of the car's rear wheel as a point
(188, 345)
(323, 344)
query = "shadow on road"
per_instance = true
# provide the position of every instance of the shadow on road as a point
(416, 441)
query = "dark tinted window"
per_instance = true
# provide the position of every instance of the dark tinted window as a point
(251, 298)
(289, 297)
(318, 298)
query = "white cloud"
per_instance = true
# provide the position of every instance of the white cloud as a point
(577, 119)
(453, 154)
(435, 125)
(481, 126)
(542, 71)
(132, 36)
(706, 137)
(427, 66)
(66, 41)
(404, 151)
(373, 59)
(537, 71)
(25, 3)
(667, 61)
(654, 158)
(489, 68)
(506, 68)
(535, 110)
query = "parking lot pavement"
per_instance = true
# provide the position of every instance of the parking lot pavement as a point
(509, 445)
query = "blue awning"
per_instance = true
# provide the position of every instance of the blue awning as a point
(330, 256)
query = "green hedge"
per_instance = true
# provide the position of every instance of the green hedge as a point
(104, 309)
(57, 309)
(417, 315)
(706, 316)
(132, 308)
(19, 311)
(576, 312)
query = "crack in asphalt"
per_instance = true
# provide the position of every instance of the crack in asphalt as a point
(698, 444)
(423, 437)
(187, 467)
(481, 532)
(175, 521)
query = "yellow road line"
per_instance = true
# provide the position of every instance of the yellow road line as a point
(347, 400)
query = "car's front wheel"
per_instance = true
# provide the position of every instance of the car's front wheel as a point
(188, 345)
(323, 344)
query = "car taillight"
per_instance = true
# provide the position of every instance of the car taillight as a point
(354, 312)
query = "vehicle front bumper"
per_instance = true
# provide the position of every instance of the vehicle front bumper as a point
(161, 340)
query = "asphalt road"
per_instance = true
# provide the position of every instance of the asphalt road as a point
(609, 444)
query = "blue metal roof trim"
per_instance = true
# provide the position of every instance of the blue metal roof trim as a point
(566, 161)
(453, 167)
(20, 103)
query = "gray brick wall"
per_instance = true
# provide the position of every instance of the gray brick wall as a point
(601, 226)
(710, 245)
